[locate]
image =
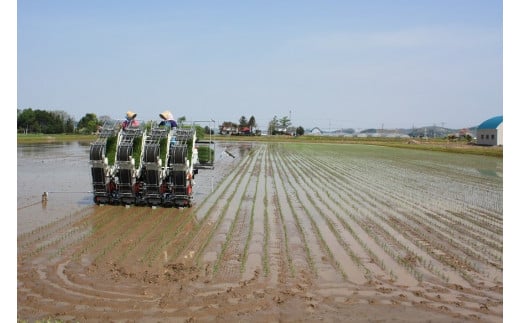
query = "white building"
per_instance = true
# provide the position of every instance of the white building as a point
(490, 132)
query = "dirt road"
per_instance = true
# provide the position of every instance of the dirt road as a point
(289, 233)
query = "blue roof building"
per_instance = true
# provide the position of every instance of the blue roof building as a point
(490, 132)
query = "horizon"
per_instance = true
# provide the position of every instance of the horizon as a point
(325, 127)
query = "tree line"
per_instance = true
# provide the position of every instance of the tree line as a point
(56, 122)
(277, 126)
(283, 126)
(59, 122)
(47, 122)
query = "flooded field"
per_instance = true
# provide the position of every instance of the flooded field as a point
(281, 232)
(63, 171)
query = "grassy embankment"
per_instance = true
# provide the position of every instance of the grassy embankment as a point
(441, 145)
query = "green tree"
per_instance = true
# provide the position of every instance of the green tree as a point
(300, 131)
(41, 121)
(285, 122)
(88, 124)
(252, 123)
(65, 119)
(69, 125)
(208, 130)
(273, 126)
(26, 121)
(242, 122)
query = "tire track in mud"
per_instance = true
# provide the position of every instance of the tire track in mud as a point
(64, 286)
(57, 285)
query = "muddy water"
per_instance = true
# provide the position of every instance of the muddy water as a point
(63, 171)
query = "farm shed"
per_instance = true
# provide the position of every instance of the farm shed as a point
(490, 132)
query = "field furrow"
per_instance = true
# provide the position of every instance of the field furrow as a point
(208, 214)
(226, 223)
(354, 238)
(277, 259)
(297, 247)
(319, 255)
(415, 218)
(253, 262)
(336, 240)
(233, 255)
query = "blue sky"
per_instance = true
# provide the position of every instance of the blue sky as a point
(331, 64)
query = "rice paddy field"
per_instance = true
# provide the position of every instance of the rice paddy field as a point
(290, 232)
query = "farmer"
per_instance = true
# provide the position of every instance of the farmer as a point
(167, 119)
(130, 120)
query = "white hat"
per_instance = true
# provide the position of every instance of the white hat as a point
(166, 115)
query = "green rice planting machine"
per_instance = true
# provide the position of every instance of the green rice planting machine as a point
(155, 165)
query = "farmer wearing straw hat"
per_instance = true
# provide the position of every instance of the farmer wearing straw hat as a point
(167, 119)
(130, 120)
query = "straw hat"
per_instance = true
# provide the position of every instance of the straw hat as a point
(131, 115)
(166, 115)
